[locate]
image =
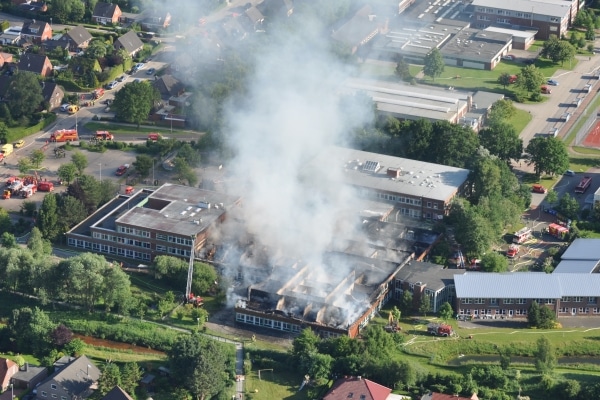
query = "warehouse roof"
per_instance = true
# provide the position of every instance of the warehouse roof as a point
(583, 249)
(369, 170)
(525, 285)
(576, 267)
(410, 102)
(527, 6)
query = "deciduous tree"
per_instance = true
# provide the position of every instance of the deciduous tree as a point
(446, 312)
(494, 262)
(434, 64)
(67, 172)
(545, 357)
(80, 161)
(548, 155)
(143, 164)
(502, 140)
(531, 78)
(47, 220)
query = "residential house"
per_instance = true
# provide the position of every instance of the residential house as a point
(274, 9)
(168, 86)
(155, 20)
(117, 394)
(129, 42)
(106, 13)
(36, 63)
(36, 31)
(33, 7)
(75, 378)
(441, 396)
(29, 376)
(7, 369)
(359, 388)
(11, 36)
(53, 94)
(78, 38)
(5, 58)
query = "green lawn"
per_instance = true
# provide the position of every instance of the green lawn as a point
(520, 120)
(276, 384)
(466, 78)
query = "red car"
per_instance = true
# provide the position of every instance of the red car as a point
(122, 169)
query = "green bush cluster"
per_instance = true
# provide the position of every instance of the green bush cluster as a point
(134, 332)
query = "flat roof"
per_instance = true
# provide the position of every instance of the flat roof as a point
(525, 285)
(514, 32)
(527, 6)
(576, 267)
(417, 178)
(435, 276)
(409, 101)
(474, 44)
(177, 209)
(583, 249)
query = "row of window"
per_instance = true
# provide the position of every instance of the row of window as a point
(495, 302)
(580, 310)
(503, 12)
(121, 240)
(267, 323)
(104, 248)
(174, 239)
(54, 396)
(133, 231)
(492, 313)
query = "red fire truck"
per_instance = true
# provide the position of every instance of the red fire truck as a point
(584, 184)
(558, 231)
(522, 235)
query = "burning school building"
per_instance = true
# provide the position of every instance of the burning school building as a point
(336, 295)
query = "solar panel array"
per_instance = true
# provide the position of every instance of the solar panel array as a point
(371, 166)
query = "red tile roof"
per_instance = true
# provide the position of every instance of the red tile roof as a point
(354, 388)
(441, 396)
(7, 370)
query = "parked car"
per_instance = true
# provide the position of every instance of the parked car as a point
(539, 189)
(569, 173)
(552, 82)
(122, 169)
(139, 66)
(112, 85)
(546, 90)
(64, 107)
(150, 71)
(509, 57)
(121, 78)
(19, 143)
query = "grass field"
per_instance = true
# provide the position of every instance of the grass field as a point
(465, 78)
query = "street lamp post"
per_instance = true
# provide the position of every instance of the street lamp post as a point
(12, 395)
(153, 172)
(198, 319)
(100, 164)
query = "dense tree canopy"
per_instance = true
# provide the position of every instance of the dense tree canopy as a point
(24, 96)
(531, 79)
(134, 101)
(203, 366)
(548, 155)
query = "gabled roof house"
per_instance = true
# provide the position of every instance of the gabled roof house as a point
(106, 13)
(36, 63)
(36, 31)
(117, 394)
(129, 42)
(78, 38)
(76, 379)
(7, 369)
(358, 388)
